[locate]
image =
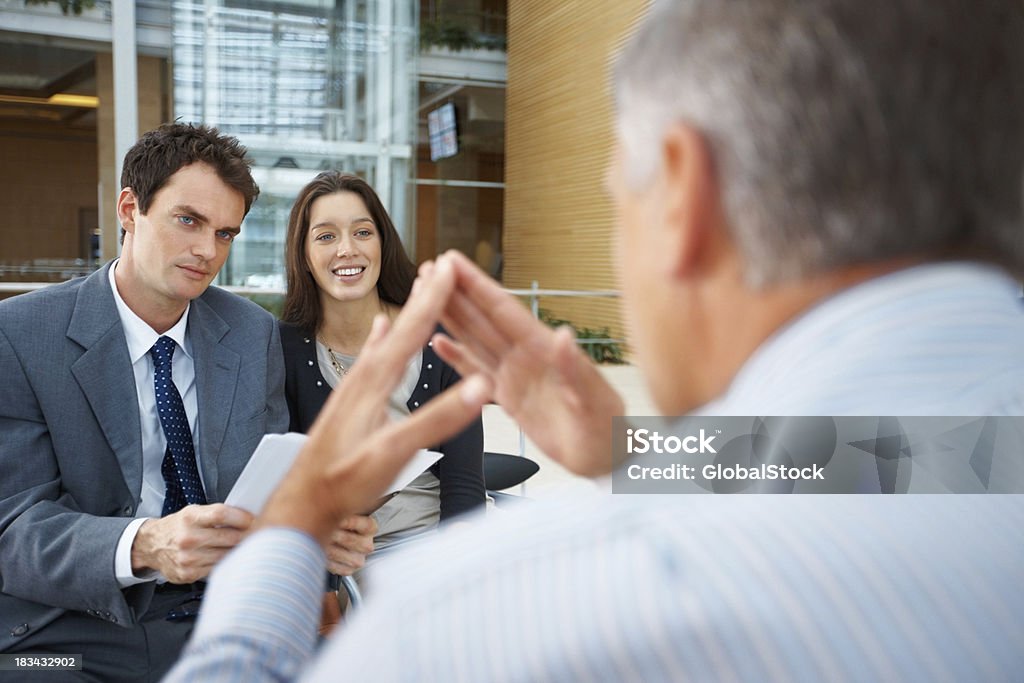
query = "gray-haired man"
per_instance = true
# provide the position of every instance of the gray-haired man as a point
(820, 206)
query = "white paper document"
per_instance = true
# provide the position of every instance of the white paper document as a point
(274, 457)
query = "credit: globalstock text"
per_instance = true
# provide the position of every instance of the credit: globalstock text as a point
(641, 441)
(711, 472)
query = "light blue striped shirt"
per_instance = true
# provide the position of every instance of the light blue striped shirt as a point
(785, 588)
(938, 339)
(646, 588)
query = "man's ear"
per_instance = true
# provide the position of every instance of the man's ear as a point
(691, 196)
(127, 205)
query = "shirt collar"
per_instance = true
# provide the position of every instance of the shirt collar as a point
(139, 335)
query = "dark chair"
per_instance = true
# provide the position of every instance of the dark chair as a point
(503, 471)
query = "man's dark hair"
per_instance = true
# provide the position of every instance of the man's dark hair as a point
(162, 152)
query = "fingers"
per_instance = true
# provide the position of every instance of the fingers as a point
(414, 325)
(378, 329)
(217, 515)
(348, 549)
(186, 545)
(198, 527)
(200, 539)
(570, 363)
(343, 562)
(359, 524)
(458, 356)
(508, 316)
(394, 445)
(474, 328)
(350, 543)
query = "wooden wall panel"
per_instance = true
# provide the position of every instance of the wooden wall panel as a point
(559, 138)
(47, 178)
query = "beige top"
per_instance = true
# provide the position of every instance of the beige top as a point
(417, 508)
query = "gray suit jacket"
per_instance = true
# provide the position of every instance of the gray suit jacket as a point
(71, 445)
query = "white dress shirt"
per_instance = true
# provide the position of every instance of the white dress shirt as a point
(140, 338)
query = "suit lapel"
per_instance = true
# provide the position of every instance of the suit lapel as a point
(104, 373)
(216, 378)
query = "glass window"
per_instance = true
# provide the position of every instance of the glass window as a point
(306, 86)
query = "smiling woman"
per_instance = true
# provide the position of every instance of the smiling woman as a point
(346, 265)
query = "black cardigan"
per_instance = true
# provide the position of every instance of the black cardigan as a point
(460, 471)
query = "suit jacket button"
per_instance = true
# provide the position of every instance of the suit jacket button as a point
(19, 630)
(127, 511)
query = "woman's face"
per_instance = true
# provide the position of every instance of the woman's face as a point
(343, 247)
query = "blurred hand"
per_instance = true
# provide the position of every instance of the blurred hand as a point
(353, 452)
(539, 376)
(349, 544)
(185, 546)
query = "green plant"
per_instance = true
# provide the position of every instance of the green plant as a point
(272, 303)
(455, 36)
(596, 342)
(75, 6)
(446, 33)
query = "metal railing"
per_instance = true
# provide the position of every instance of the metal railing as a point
(535, 293)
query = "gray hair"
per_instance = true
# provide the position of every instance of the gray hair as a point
(844, 132)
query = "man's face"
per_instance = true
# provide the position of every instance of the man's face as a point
(177, 247)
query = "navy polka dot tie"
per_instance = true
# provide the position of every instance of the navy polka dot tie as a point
(179, 466)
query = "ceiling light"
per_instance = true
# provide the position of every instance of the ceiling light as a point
(58, 100)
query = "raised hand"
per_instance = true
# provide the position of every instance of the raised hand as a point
(539, 376)
(353, 453)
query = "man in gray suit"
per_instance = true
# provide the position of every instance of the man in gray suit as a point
(109, 473)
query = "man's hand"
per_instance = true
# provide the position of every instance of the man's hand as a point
(185, 546)
(353, 453)
(539, 375)
(350, 543)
